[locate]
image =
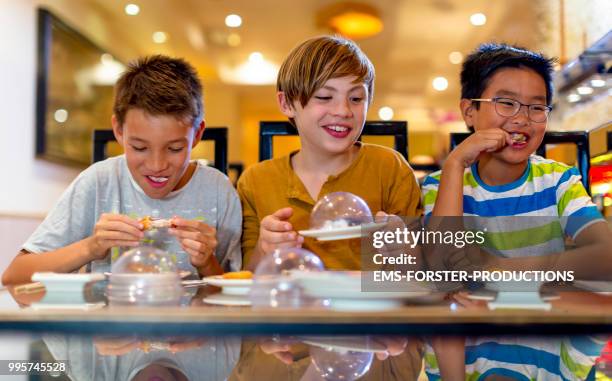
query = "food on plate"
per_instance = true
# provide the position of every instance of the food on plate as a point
(238, 275)
(337, 224)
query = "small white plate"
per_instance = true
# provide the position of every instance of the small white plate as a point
(65, 289)
(227, 300)
(342, 233)
(489, 296)
(345, 343)
(230, 286)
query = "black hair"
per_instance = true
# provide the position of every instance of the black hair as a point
(483, 62)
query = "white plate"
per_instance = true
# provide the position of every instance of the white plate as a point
(489, 296)
(343, 290)
(227, 300)
(345, 343)
(230, 286)
(342, 233)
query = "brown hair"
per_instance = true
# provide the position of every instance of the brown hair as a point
(160, 85)
(316, 60)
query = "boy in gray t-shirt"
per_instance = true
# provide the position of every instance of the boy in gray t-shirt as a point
(158, 119)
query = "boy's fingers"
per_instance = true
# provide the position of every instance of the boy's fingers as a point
(273, 224)
(121, 226)
(283, 213)
(122, 218)
(279, 237)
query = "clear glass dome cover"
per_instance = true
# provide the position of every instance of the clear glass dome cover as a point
(340, 210)
(334, 364)
(145, 276)
(145, 259)
(275, 283)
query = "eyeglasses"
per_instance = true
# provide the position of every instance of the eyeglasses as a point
(508, 107)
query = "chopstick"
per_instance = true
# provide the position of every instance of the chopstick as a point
(28, 288)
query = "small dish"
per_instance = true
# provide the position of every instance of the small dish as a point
(349, 232)
(222, 299)
(230, 286)
(65, 289)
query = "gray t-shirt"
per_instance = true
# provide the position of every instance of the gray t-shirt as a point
(213, 361)
(108, 187)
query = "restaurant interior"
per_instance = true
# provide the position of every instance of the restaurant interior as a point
(59, 64)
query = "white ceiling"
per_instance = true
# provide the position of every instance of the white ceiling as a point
(413, 48)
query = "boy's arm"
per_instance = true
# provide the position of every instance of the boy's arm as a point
(111, 230)
(64, 260)
(592, 259)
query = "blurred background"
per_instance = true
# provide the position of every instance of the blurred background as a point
(417, 47)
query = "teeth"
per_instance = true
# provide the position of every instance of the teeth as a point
(158, 179)
(338, 128)
(517, 137)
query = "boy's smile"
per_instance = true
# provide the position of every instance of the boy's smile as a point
(157, 150)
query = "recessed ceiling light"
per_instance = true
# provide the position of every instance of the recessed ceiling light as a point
(440, 83)
(132, 9)
(598, 82)
(256, 57)
(584, 90)
(233, 21)
(455, 58)
(385, 113)
(160, 37)
(107, 59)
(60, 115)
(478, 19)
(573, 98)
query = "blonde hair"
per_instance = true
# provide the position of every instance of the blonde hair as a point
(316, 60)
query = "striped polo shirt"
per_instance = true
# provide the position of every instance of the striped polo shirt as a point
(532, 217)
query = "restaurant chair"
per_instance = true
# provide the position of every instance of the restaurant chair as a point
(579, 138)
(398, 129)
(217, 134)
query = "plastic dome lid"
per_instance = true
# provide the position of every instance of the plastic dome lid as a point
(340, 210)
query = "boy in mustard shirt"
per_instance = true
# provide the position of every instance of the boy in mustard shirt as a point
(324, 87)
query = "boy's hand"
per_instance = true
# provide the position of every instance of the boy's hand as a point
(276, 232)
(487, 140)
(113, 230)
(199, 240)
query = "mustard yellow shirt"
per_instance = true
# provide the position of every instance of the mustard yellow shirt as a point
(379, 175)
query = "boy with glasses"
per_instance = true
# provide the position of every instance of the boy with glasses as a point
(506, 96)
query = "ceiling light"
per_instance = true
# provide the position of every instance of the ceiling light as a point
(60, 115)
(132, 9)
(385, 113)
(256, 57)
(573, 98)
(598, 82)
(440, 83)
(584, 90)
(352, 20)
(455, 58)
(107, 59)
(160, 37)
(233, 21)
(255, 71)
(478, 19)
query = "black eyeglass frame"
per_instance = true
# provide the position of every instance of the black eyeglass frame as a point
(496, 100)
